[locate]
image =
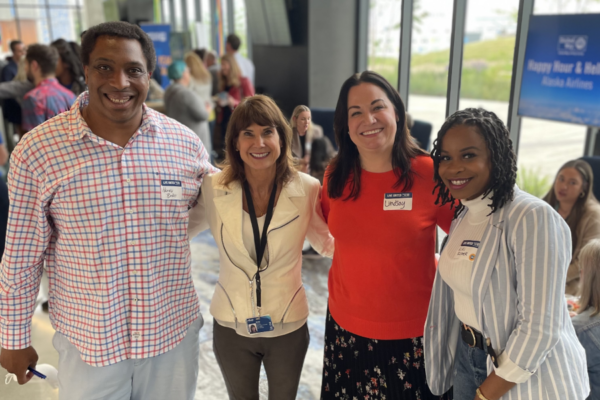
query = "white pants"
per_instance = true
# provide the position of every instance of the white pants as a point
(171, 375)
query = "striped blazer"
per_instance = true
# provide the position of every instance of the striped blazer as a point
(518, 283)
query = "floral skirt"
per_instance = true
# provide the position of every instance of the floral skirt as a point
(357, 367)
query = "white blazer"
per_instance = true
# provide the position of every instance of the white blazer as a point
(518, 284)
(297, 215)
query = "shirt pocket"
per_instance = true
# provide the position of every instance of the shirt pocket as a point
(176, 193)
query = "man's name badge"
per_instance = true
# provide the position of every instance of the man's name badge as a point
(397, 201)
(259, 324)
(171, 190)
(468, 250)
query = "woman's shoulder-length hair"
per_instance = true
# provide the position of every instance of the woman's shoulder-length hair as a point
(260, 110)
(345, 168)
(235, 73)
(582, 203)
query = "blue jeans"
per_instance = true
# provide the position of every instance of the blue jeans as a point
(470, 370)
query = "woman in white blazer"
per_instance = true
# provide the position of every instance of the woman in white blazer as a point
(260, 315)
(498, 325)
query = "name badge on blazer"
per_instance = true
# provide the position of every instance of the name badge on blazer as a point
(468, 250)
(397, 201)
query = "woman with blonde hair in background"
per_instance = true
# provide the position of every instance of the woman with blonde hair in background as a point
(587, 322)
(201, 84)
(233, 88)
(573, 197)
(302, 130)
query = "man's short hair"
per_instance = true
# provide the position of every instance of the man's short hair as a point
(14, 44)
(117, 29)
(234, 41)
(45, 56)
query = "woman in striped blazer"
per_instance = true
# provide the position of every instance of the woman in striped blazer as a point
(498, 326)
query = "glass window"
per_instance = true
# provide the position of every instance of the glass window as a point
(191, 13)
(240, 28)
(206, 18)
(64, 23)
(177, 23)
(166, 12)
(488, 55)
(35, 21)
(384, 38)
(225, 20)
(432, 28)
(33, 25)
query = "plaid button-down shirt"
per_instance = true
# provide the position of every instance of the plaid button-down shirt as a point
(45, 101)
(112, 229)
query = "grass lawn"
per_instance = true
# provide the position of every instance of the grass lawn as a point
(487, 70)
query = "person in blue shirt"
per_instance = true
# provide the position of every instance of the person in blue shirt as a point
(587, 321)
(10, 108)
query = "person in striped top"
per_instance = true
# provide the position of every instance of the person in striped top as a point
(498, 325)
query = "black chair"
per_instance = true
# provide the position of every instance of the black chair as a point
(324, 118)
(421, 131)
(594, 162)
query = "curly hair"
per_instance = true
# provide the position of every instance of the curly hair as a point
(503, 158)
(117, 29)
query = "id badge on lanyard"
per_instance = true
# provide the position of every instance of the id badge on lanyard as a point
(261, 323)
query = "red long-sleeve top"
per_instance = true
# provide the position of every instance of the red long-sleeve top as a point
(384, 261)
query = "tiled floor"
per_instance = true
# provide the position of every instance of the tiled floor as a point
(205, 269)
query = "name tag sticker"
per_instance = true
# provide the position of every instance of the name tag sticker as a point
(468, 250)
(171, 190)
(397, 201)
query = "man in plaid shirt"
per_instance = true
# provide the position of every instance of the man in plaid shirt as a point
(49, 98)
(102, 194)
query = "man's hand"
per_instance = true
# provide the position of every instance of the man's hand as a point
(17, 361)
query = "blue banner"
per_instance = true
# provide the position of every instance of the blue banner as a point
(561, 75)
(161, 37)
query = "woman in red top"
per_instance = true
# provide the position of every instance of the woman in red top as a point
(379, 203)
(233, 87)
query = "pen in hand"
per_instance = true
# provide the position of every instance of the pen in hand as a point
(36, 373)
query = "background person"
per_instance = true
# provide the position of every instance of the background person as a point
(210, 60)
(302, 139)
(232, 46)
(587, 322)
(122, 300)
(498, 292)
(49, 98)
(185, 106)
(69, 70)
(11, 108)
(573, 197)
(259, 175)
(201, 85)
(377, 198)
(233, 87)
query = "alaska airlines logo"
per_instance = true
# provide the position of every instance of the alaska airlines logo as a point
(572, 45)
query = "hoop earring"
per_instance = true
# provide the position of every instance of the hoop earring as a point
(582, 195)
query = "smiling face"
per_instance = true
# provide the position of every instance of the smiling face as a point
(259, 147)
(117, 79)
(371, 119)
(568, 185)
(465, 165)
